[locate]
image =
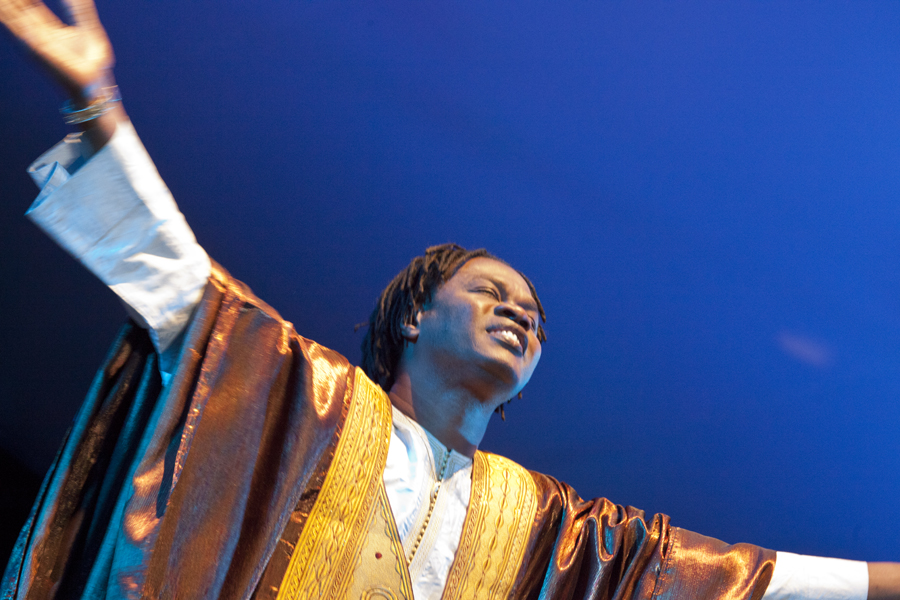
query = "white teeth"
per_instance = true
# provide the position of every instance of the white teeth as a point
(509, 337)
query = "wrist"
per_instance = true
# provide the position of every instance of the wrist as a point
(95, 109)
(100, 103)
(83, 94)
(100, 130)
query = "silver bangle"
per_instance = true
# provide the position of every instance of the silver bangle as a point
(99, 106)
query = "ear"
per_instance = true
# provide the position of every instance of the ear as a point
(410, 329)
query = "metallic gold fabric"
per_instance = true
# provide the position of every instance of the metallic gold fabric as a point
(350, 546)
(597, 549)
(244, 424)
(380, 570)
(187, 494)
(498, 523)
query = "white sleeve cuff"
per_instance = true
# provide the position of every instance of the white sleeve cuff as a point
(798, 577)
(117, 217)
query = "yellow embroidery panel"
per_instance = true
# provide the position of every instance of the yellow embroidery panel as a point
(501, 512)
(352, 519)
(381, 570)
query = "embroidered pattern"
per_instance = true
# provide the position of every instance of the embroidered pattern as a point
(501, 513)
(327, 551)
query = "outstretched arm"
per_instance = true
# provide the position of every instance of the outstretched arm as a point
(884, 581)
(115, 214)
(78, 56)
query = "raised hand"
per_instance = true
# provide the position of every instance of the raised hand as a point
(78, 56)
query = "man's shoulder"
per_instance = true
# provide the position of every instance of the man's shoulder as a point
(226, 283)
(502, 468)
(235, 298)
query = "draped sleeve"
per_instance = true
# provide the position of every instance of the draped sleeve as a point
(187, 490)
(596, 549)
(183, 491)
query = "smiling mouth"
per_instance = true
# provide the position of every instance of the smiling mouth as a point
(510, 338)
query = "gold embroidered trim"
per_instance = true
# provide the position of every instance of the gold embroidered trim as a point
(380, 571)
(328, 549)
(501, 513)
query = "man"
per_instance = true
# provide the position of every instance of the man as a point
(261, 463)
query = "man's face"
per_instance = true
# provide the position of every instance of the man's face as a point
(482, 325)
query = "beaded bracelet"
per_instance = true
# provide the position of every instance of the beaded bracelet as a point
(100, 105)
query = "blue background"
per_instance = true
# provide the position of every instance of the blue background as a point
(704, 193)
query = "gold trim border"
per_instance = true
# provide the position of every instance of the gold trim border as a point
(501, 513)
(336, 527)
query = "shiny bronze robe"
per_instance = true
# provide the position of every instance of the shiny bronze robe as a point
(202, 490)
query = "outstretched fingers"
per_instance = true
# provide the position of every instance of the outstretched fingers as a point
(77, 56)
(29, 20)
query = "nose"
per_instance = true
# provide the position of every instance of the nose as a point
(515, 313)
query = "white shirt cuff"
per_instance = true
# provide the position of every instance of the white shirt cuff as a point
(116, 216)
(798, 577)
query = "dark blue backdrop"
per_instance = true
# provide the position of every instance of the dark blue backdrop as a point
(705, 194)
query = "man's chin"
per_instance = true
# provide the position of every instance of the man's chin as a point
(507, 372)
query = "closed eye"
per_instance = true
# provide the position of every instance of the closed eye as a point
(490, 292)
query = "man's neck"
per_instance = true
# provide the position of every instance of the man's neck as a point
(452, 416)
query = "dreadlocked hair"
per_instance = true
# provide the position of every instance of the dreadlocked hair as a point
(408, 292)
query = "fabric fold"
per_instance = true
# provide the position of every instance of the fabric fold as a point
(188, 492)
